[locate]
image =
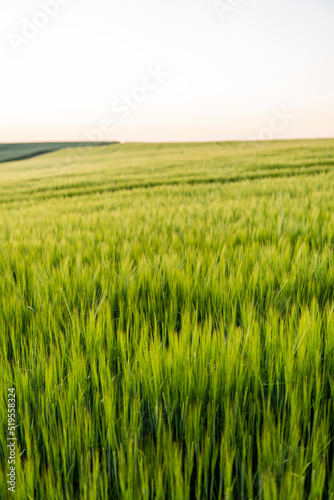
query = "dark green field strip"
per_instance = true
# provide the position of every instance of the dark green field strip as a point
(21, 151)
(89, 188)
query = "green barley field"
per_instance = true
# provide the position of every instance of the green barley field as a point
(167, 321)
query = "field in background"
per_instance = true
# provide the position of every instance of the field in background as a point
(21, 151)
(166, 316)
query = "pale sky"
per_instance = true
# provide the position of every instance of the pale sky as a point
(166, 70)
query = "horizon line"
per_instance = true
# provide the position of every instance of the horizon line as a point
(168, 142)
